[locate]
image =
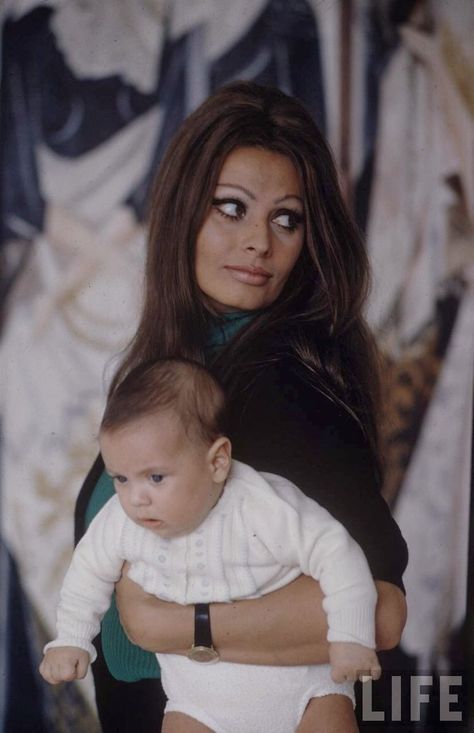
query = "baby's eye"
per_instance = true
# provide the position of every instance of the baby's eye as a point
(229, 208)
(120, 479)
(156, 478)
(288, 219)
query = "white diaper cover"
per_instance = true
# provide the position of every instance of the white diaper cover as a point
(232, 698)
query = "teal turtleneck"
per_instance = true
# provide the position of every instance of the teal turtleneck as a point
(125, 660)
(225, 327)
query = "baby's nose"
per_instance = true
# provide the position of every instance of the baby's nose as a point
(138, 495)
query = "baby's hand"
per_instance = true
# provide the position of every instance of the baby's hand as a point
(64, 663)
(352, 662)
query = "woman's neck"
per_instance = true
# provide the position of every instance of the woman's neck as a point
(225, 326)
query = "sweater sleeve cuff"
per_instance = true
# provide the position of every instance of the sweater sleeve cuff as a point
(80, 643)
(355, 624)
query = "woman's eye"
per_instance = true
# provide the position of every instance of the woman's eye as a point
(289, 220)
(120, 479)
(157, 478)
(229, 208)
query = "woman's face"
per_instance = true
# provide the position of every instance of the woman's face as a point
(253, 233)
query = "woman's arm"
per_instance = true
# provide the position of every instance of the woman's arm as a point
(390, 615)
(286, 627)
(258, 631)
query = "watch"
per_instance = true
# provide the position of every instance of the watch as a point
(202, 650)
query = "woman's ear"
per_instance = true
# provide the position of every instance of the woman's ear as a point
(219, 458)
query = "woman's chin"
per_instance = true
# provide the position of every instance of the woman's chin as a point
(234, 304)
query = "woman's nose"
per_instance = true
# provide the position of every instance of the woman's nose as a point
(258, 239)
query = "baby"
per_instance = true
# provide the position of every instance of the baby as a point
(198, 527)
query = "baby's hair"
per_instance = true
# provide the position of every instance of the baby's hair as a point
(179, 386)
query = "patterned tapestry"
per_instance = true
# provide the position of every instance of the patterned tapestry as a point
(91, 92)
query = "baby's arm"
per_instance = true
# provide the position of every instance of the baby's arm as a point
(323, 549)
(85, 597)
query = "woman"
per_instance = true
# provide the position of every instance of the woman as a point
(255, 268)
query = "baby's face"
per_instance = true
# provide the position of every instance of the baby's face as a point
(164, 481)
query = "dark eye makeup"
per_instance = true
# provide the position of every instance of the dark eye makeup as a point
(234, 210)
(230, 208)
(289, 219)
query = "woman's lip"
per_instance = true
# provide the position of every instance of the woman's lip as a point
(249, 275)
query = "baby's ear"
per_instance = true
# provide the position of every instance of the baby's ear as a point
(219, 457)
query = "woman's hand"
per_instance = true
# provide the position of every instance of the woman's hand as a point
(149, 622)
(286, 627)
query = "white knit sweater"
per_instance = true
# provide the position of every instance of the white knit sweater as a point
(262, 533)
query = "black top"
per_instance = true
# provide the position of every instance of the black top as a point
(285, 425)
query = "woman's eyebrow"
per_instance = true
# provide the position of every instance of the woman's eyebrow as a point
(288, 196)
(253, 197)
(240, 188)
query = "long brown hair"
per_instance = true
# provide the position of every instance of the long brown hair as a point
(320, 307)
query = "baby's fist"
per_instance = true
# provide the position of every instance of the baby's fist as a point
(63, 664)
(352, 662)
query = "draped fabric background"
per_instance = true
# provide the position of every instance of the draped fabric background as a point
(91, 92)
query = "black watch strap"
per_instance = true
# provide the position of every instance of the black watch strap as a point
(202, 650)
(202, 625)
